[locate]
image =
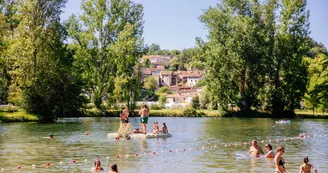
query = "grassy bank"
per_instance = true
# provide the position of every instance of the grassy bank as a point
(18, 116)
(182, 113)
(309, 114)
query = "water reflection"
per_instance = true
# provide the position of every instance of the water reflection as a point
(23, 144)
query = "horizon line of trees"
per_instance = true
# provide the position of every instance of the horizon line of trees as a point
(258, 54)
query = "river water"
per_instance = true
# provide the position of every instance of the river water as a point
(197, 145)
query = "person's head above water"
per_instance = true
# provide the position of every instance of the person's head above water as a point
(51, 136)
(268, 146)
(97, 163)
(113, 167)
(306, 160)
(254, 143)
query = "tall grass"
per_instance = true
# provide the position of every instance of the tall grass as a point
(18, 116)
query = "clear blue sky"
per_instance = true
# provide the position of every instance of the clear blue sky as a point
(174, 24)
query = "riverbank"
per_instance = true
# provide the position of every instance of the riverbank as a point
(22, 116)
(18, 116)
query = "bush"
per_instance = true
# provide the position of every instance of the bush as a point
(52, 96)
(156, 107)
(195, 102)
(190, 112)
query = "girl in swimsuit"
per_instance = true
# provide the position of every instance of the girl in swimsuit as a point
(270, 154)
(155, 128)
(164, 129)
(97, 167)
(306, 167)
(279, 161)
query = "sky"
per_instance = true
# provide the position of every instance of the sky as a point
(174, 24)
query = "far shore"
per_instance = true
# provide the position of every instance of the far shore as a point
(22, 116)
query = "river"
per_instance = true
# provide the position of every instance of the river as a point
(197, 145)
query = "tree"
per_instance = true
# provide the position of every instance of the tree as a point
(153, 48)
(8, 22)
(150, 83)
(195, 102)
(204, 98)
(108, 41)
(162, 99)
(316, 93)
(41, 69)
(249, 52)
(174, 64)
(164, 89)
(146, 63)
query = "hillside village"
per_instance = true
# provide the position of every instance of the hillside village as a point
(182, 85)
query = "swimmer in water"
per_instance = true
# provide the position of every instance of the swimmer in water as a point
(97, 166)
(270, 154)
(49, 137)
(255, 149)
(113, 168)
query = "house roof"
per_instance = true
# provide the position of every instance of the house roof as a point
(189, 73)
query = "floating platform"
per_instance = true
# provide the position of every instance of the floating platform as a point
(141, 135)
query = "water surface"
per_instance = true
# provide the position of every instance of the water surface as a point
(22, 144)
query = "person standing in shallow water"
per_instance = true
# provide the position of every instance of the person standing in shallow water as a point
(306, 167)
(255, 150)
(279, 161)
(270, 154)
(144, 114)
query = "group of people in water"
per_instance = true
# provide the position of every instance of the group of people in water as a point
(144, 115)
(97, 167)
(279, 161)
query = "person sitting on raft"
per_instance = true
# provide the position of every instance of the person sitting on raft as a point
(137, 131)
(164, 129)
(306, 167)
(97, 167)
(155, 128)
(254, 149)
(270, 154)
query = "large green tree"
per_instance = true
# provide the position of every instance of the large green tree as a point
(250, 56)
(107, 37)
(40, 64)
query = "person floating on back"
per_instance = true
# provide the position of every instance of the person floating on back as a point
(306, 167)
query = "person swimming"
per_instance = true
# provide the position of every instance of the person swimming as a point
(49, 137)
